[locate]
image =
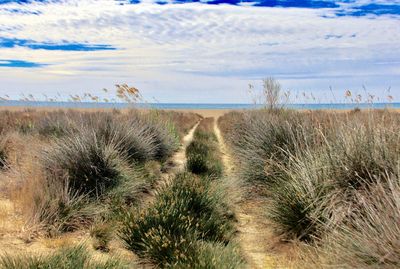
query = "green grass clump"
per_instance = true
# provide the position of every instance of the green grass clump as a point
(165, 138)
(213, 256)
(197, 157)
(66, 258)
(83, 177)
(102, 234)
(184, 212)
(202, 153)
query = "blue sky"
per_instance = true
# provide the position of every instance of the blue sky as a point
(200, 50)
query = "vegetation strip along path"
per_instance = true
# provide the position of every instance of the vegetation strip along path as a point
(253, 228)
(177, 164)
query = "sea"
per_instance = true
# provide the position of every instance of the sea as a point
(310, 106)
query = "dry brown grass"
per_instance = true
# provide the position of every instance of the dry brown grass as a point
(329, 176)
(26, 193)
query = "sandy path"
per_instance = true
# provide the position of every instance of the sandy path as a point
(179, 159)
(175, 165)
(255, 234)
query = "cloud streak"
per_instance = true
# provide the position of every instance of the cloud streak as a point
(178, 51)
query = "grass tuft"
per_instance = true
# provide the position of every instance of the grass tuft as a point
(67, 258)
(185, 211)
(203, 156)
(90, 166)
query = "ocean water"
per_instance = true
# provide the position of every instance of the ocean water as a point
(311, 106)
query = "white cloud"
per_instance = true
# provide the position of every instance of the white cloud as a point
(196, 52)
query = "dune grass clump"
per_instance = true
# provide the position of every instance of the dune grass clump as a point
(361, 154)
(91, 166)
(56, 208)
(202, 153)
(213, 256)
(131, 136)
(67, 258)
(320, 169)
(370, 236)
(140, 137)
(197, 157)
(264, 137)
(102, 234)
(184, 212)
(81, 177)
(317, 181)
(165, 137)
(55, 124)
(3, 153)
(300, 199)
(101, 165)
(181, 121)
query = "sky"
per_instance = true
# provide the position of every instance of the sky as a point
(205, 51)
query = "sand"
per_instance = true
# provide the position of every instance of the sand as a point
(213, 113)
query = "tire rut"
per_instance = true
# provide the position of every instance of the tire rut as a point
(254, 231)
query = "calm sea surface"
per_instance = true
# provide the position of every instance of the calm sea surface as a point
(189, 106)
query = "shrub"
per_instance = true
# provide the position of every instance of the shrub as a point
(67, 258)
(184, 211)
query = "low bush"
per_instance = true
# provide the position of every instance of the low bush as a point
(185, 211)
(66, 258)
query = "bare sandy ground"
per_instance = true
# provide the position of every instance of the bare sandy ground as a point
(214, 113)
